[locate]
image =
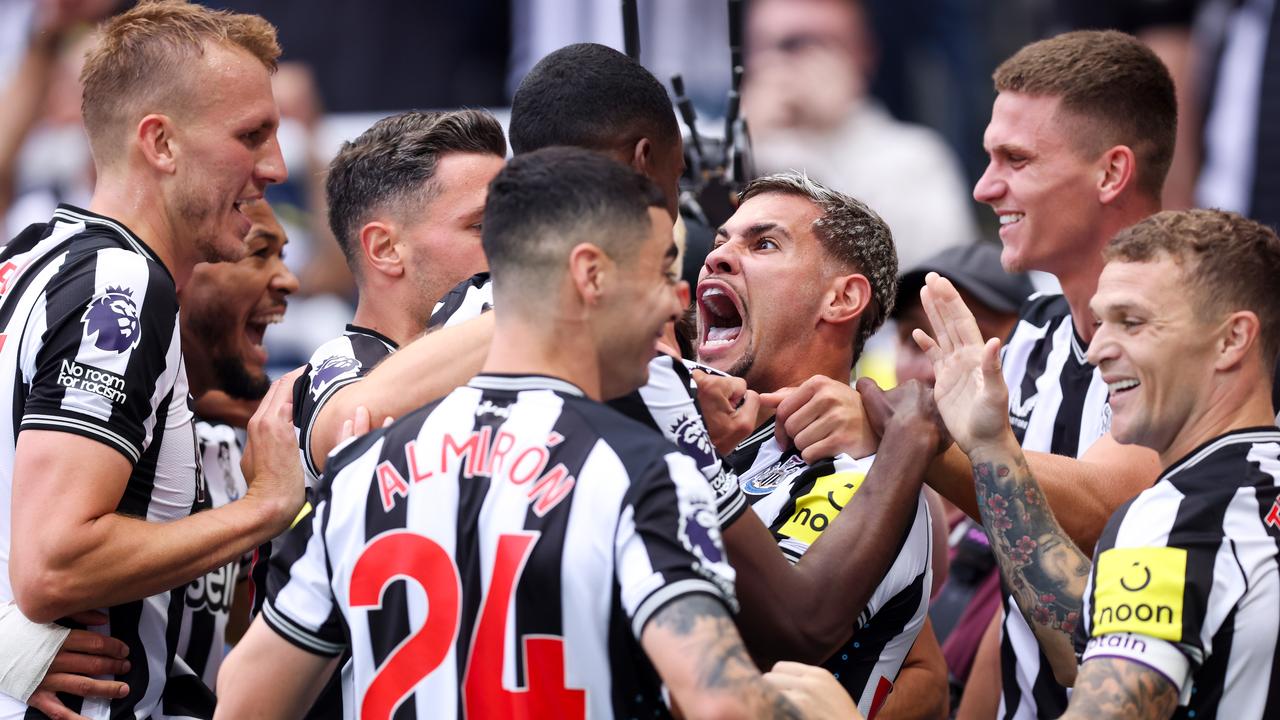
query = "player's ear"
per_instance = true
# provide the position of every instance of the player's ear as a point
(381, 251)
(155, 139)
(1237, 338)
(588, 271)
(642, 156)
(847, 297)
(1117, 170)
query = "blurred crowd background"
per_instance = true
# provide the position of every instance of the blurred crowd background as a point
(885, 100)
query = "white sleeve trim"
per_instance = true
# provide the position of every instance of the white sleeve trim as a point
(666, 594)
(297, 634)
(1160, 655)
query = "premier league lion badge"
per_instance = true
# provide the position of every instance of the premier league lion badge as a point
(331, 369)
(112, 321)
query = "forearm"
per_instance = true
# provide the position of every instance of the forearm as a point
(1118, 688)
(1038, 561)
(424, 370)
(114, 559)
(787, 613)
(1082, 494)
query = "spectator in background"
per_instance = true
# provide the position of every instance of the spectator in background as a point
(966, 602)
(805, 96)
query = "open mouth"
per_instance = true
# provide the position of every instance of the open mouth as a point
(1008, 219)
(255, 329)
(721, 316)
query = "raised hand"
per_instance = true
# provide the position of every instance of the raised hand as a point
(968, 387)
(271, 464)
(907, 408)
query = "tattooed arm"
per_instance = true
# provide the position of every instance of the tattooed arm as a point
(1038, 561)
(696, 649)
(1045, 571)
(1120, 688)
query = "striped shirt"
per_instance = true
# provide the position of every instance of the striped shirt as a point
(542, 529)
(202, 638)
(469, 299)
(1057, 404)
(333, 366)
(1186, 579)
(90, 339)
(797, 501)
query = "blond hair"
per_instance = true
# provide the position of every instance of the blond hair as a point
(138, 61)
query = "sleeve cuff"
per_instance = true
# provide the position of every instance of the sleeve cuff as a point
(1160, 655)
(297, 634)
(656, 601)
(84, 428)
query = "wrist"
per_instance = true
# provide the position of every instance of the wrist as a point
(1002, 445)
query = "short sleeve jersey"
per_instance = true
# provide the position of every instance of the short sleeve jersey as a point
(1186, 579)
(797, 501)
(91, 346)
(543, 530)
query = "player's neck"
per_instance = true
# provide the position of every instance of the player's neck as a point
(140, 212)
(1079, 279)
(558, 349)
(1233, 404)
(384, 314)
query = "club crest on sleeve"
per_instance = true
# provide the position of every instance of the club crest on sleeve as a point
(111, 320)
(331, 369)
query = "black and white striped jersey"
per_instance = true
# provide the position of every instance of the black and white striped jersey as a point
(797, 501)
(541, 529)
(202, 637)
(334, 365)
(1057, 404)
(668, 403)
(469, 299)
(90, 340)
(1186, 579)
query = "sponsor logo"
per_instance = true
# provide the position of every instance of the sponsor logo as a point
(690, 435)
(488, 407)
(766, 481)
(1019, 408)
(1139, 590)
(8, 272)
(112, 321)
(87, 378)
(331, 369)
(817, 508)
(1272, 519)
(214, 591)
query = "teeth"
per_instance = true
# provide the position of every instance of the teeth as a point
(711, 292)
(1120, 385)
(1011, 218)
(272, 319)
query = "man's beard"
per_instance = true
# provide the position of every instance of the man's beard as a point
(743, 366)
(233, 378)
(198, 213)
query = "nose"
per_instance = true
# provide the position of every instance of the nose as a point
(283, 280)
(270, 167)
(989, 187)
(722, 260)
(1102, 347)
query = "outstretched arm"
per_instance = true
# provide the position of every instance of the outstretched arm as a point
(267, 676)
(1044, 568)
(424, 370)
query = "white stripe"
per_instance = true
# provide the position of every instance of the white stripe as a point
(1261, 436)
(113, 438)
(1048, 401)
(75, 217)
(654, 602)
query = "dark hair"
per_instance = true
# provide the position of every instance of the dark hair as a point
(852, 234)
(392, 162)
(1114, 81)
(1232, 263)
(590, 96)
(545, 202)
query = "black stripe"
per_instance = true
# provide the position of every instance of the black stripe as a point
(854, 664)
(125, 622)
(1009, 687)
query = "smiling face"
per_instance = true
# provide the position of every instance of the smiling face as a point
(441, 239)
(227, 306)
(225, 135)
(760, 290)
(636, 309)
(1040, 184)
(1154, 351)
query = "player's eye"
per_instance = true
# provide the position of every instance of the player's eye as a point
(766, 243)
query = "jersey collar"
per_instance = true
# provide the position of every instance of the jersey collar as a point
(73, 214)
(497, 381)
